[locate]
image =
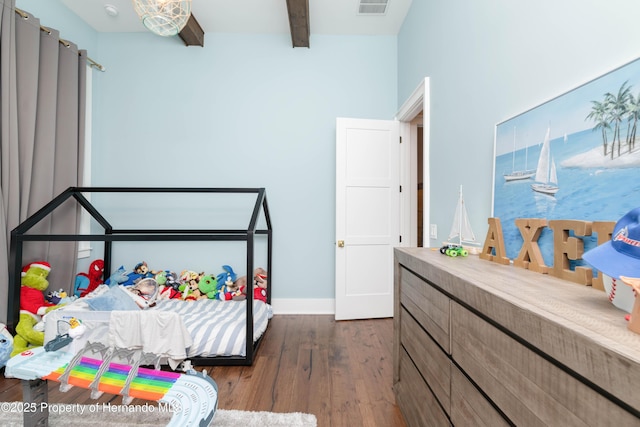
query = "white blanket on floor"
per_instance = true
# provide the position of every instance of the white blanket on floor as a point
(159, 332)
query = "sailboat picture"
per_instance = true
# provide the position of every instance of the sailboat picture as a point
(461, 240)
(585, 146)
(546, 178)
(516, 175)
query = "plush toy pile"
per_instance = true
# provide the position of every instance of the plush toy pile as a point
(145, 285)
(191, 285)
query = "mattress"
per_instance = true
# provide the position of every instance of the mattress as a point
(216, 328)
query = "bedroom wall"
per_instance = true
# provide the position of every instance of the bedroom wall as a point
(491, 60)
(54, 15)
(246, 110)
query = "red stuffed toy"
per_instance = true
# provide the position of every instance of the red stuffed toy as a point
(260, 284)
(87, 282)
(259, 294)
(31, 295)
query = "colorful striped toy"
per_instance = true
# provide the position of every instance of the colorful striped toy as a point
(191, 396)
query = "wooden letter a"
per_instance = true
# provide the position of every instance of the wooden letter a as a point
(494, 242)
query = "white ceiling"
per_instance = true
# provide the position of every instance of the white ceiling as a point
(336, 17)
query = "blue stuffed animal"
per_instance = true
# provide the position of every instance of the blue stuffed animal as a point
(228, 276)
(118, 277)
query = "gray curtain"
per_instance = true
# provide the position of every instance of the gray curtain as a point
(42, 84)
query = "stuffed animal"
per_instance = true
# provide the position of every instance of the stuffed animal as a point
(143, 270)
(189, 275)
(259, 284)
(190, 291)
(259, 294)
(228, 277)
(87, 282)
(260, 278)
(189, 285)
(208, 286)
(233, 291)
(32, 306)
(169, 285)
(59, 297)
(6, 345)
(118, 277)
(140, 271)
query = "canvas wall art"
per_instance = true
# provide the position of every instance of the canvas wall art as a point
(576, 156)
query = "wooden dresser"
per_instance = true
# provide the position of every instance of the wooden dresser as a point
(482, 344)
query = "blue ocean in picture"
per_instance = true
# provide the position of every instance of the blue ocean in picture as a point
(593, 194)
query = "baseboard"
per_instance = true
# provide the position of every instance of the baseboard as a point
(303, 306)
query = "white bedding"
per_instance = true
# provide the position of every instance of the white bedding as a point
(216, 328)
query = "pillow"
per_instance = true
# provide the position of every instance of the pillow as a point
(115, 298)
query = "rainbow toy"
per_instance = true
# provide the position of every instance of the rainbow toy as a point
(192, 396)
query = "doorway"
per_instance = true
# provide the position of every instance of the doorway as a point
(414, 129)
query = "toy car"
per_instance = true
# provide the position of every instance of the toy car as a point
(453, 250)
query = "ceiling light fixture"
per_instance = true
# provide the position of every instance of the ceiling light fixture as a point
(163, 17)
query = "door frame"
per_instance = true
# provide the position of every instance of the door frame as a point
(418, 103)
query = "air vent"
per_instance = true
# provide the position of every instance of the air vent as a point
(372, 7)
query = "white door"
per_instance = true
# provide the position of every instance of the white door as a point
(367, 216)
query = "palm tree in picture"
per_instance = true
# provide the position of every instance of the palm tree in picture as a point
(634, 115)
(617, 108)
(599, 115)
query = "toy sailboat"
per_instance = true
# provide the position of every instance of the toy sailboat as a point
(461, 239)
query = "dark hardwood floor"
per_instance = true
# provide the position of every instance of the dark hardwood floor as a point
(339, 371)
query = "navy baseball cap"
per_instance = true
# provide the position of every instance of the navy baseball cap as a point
(620, 256)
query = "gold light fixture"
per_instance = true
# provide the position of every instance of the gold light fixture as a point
(163, 17)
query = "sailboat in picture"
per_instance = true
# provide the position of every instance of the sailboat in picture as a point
(516, 175)
(461, 239)
(546, 177)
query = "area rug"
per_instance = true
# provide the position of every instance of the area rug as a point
(72, 415)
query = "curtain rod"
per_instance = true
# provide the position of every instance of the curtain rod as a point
(92, 63)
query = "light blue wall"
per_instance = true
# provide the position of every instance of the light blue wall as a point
(244, 111)
(53, 14)
(491, 60)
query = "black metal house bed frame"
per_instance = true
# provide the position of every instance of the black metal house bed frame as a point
(19, 236)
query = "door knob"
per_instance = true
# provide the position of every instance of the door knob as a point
(341, 243)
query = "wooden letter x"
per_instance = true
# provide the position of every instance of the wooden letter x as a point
(530, 256)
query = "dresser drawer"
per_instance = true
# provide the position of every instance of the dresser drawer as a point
(429, 306)
(419, 406)
(530, 390)
(469, 407)
(430, 360)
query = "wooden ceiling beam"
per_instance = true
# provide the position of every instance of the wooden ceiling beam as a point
(192, 33)
(299, 22)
